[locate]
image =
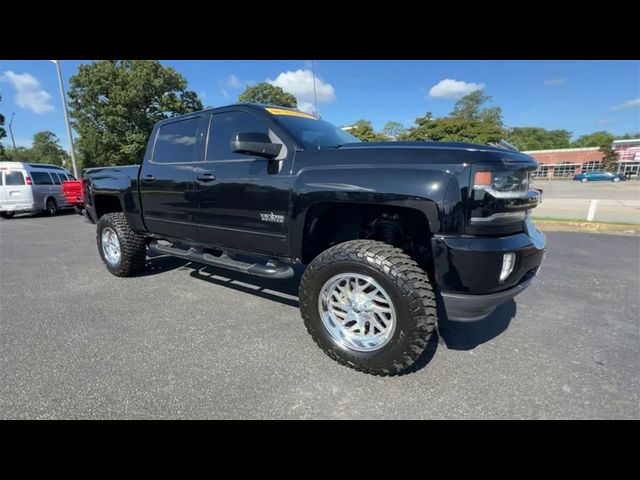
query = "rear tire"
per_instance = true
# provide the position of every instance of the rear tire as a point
(52, 207)
(124, 256)
(404, 285)
(7, 215)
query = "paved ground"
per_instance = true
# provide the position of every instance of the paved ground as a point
(190, 341)
(617, 202)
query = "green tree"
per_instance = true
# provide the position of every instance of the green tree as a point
(628, 136)
(114, 105)
(20, 154)
(595, 139)
(268, 94)
(363, 129)
(456, 130)
(534, 138)
(609, 157)
(3, 133)
(394, 130)
(46, 149)
(471, 107)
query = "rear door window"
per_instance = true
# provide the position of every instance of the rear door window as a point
(55, 178)
(14, 178)
(176, 142)
(41, 178)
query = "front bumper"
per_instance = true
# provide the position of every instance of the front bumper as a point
(467, 270)
(17, 207)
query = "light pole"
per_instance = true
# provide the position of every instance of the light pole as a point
(13, 140)
(66, 117)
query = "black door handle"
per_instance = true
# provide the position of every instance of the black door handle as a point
(206, 177)
(148, 178)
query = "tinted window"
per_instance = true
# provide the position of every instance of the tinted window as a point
(55, 178)
(61, 177)
(41, 178)
(70, 177)
(176, 142)
(224, 127)
(14, 178)
(314, 133)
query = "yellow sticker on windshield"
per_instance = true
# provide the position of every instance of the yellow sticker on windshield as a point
(293, 113)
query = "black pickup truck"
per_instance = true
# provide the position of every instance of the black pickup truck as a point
(383, 228)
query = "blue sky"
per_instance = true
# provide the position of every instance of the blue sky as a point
(580, 96)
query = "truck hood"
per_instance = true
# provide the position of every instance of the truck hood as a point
(458, 146)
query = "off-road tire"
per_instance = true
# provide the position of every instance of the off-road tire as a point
(402, 278)
(133, 250)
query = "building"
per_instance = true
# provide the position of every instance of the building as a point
(567, 162)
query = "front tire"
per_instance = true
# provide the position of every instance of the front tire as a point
(122, 250)
(368, 306)
(7, 215)
(584, 180)
(615, 179)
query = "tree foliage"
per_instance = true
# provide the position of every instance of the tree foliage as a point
(595, 139)
(3, 133)
(46, 149)
(394, 130)
(114, 105)
(609, 158)
(268, 94)
(363, 129)
(534, 138)
(471, 107)
(456, 130)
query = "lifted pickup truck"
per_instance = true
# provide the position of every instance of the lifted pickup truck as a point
(382, 227)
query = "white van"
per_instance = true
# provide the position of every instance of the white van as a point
(31, 187)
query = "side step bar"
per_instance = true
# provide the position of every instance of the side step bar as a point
(224, 261)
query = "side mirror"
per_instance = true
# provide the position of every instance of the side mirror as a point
(255, 144)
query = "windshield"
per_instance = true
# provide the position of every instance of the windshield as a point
(314, 133)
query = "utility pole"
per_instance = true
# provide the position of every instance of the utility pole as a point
(66, 117)
(13, 140)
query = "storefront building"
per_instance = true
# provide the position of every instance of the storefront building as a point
(567, 162)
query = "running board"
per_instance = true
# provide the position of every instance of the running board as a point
(224, 261)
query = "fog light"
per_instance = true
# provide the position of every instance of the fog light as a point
(508, 261)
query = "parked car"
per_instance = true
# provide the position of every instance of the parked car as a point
(599, 177)
(381, 227)
(31, 187)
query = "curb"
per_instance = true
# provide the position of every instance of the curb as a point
(589, 227)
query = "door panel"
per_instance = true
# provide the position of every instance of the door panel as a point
(167, 179)
(246, 206)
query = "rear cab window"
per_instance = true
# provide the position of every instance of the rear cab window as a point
(177, 142)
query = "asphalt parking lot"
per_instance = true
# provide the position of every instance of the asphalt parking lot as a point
(189, 341)
(617, 202)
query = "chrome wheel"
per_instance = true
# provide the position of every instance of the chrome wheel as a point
(357, 312)
(110, 246)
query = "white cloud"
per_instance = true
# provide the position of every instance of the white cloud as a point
(449, 88)
(606, 121)
(300, 85)
(29, 94)
(554, 82)
(202, 94)
(635, 103)
(234, 82)
(225, 94)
